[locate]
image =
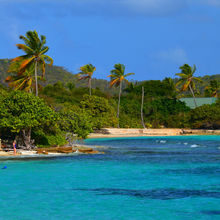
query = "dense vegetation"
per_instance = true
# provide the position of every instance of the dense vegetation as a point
(67, 109)
(56, 73)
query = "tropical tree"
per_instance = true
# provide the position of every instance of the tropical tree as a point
(35, 50)
(21, 112)
(86, 73)
(187, 79)
(24, 81)
(213, 88)
(117, 77)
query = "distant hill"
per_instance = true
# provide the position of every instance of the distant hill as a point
(57, 73)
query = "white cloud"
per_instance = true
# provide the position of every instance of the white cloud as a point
(176, 55)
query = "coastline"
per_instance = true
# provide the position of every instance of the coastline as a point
(131, 132)
(79, 149)
(51, 152)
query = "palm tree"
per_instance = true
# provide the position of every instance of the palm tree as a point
(187, 79)
(213, 88)
(117, 77)
(24, 81)
(35, 50)
(86, 73)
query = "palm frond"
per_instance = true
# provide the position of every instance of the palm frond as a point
(25, 48)
(113, 82)
(183, 75)
(193, 69)
(198, 79)
(25, 63)
(129, 74)
(47, 59)
(180, 81)
(44, 50)
(83, 77)
(185, 86)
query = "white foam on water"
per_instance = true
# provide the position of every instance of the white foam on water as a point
(163, 142)
(194, 145)
(185, 143)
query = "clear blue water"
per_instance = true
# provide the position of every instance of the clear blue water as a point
(138, 178)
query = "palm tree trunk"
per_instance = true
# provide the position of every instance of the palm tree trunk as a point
(193, 95)
(90, 86)
(142, 105)
(35, 73)
(119, 99)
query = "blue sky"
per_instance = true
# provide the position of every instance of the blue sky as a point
(151, 37)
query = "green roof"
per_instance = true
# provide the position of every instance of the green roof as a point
(199, 101)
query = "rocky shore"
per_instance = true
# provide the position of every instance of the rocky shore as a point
(51, 151)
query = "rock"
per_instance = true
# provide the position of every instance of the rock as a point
(67, 150)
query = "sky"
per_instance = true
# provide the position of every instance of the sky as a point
(152, 38)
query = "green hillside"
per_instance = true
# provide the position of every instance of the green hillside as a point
(57, 73)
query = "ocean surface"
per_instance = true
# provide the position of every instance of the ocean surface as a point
(156, 178)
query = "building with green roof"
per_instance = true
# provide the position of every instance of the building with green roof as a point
(199, 101)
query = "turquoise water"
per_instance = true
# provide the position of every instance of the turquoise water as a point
(138, 178)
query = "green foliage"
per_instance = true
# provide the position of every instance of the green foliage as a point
(75, 121)
(20, 110)
(167, 112)
(155, 89)
(58, 93)
(128, 121)
(166, 106)
(102, 113)
(206, 116)
(46, 140)
(164, 112)
(213, 89)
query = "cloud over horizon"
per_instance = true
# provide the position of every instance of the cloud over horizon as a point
(177, 56)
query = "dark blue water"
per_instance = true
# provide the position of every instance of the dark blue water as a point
(137, 178)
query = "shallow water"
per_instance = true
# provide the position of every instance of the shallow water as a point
(137, 178)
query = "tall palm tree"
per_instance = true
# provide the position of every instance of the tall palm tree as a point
(213, 88)
(86, 73)
(35, 50)
(117, 77)
(187, 79)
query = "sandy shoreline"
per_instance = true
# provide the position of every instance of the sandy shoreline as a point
(104, 133)
(130, 132)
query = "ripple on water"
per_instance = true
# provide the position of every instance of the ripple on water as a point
(161, 194)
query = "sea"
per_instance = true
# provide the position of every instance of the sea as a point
(171, 178)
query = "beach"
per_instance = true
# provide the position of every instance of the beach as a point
(135, 132)
(103, 133)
